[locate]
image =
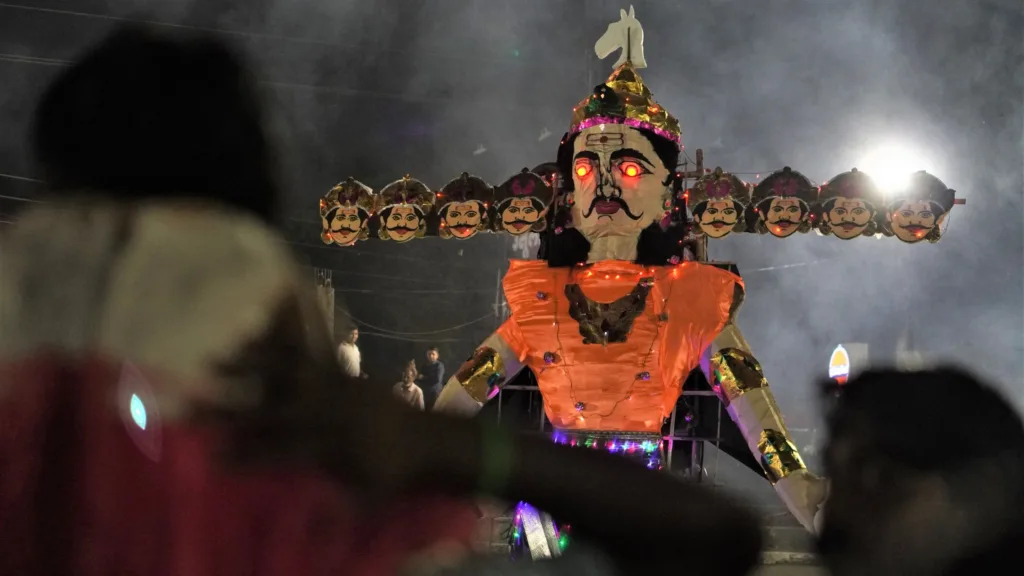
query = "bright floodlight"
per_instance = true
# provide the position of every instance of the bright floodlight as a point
(890, 166)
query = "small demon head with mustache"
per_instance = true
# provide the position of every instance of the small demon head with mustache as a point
(917, 212)
(850, 203)
(783, 203)
(719, 200)
(464, 202)
(345, 213)
(405, 205)
(521, 204)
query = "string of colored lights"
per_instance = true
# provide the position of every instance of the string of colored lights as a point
(645, 448)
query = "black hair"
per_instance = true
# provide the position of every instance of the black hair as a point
(948, 423)
(146, 115)
(930, 420)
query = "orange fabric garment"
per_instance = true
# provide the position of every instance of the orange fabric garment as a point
(78, 496)
(606, 378)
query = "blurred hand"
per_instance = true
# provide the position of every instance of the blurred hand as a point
(308, 412)
(359, 434)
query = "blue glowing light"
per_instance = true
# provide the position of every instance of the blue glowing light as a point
(138, 412)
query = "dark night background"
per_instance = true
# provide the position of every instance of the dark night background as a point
(379, 89)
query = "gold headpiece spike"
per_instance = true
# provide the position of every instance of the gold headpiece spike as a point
(624, 98)
(625, 78)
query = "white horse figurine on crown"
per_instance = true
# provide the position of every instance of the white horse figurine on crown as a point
(626, 35)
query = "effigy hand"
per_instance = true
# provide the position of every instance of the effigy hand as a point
(804, 494)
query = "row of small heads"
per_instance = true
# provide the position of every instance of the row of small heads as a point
(718, 204)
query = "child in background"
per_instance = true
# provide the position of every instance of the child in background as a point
(407, 391)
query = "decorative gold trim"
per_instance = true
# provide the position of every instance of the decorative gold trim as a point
(602, 323)
(733, 373)
(779, 457)
(483, 372)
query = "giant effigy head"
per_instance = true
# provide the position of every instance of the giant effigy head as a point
(618, 157)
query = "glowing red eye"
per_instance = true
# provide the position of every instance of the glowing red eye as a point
(582, 170)
(630, 169)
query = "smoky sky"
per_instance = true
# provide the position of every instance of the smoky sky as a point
(376, 90)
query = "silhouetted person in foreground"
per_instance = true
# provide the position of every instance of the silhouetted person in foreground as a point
(164, 353)
(171, 403)
(145, 116)
(927, 472)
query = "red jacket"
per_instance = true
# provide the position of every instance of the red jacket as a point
(85, 491)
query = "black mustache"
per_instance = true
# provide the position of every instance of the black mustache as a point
(462, 225)
(713, 222)
(344, 228)
(783, 222)
(401, 229)
(512, 222)
(622, 204)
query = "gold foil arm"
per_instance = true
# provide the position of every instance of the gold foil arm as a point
(779, 456)
(482, 373)
(733, 373)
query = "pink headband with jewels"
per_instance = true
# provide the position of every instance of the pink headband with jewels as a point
(631, 122)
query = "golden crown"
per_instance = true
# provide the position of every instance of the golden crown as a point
(625, 99)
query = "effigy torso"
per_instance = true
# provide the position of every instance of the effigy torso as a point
(610, 343)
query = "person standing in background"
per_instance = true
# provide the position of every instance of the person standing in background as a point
(432, 377)
(349, 356)
(407, 391)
